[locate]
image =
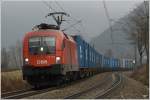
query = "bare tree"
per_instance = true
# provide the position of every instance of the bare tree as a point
(137, 26)
(19, 53)
(13, 58)
(15, 53)
(4, 58)
(140, 20)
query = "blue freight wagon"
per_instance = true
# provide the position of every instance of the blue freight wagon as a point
(86, 45)
(80, 48)
(115, 64)
(105, 66)
(112, 63)
(84, 52)
(87, 55)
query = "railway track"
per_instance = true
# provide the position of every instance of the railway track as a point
(18, 94)
(108, 91)
(24, 93)
(29, 92)
(104, 92)
(5, 94)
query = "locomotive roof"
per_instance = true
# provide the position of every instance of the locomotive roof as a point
(44, 31)
(45, 26)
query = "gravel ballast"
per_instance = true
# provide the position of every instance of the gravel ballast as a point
(71, 89)
(130, 89)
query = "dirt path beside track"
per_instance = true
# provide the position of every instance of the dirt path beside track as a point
(130, 89)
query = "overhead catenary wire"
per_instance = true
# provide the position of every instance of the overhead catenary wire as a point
(59, 6)
(48, 5)
(76, 21)
(72, 25)
(109, 20)
(64, 10)
(51, 9)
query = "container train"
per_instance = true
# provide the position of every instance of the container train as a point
(50, 55)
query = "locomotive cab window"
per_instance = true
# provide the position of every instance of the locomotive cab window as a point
(42, 45)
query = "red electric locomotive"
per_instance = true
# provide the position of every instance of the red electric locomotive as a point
(49, 55)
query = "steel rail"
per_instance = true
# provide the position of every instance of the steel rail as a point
(112, 87)
(29, 92)
(19, 95)
(72, 96)
(13, 92)
(104, 92)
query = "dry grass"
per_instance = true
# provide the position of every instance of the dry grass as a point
(9, 70)
(11, 81)
(140, 75)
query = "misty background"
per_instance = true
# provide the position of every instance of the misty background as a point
(19, 17)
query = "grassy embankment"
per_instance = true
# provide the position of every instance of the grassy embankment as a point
(12, 80)
(140, 75)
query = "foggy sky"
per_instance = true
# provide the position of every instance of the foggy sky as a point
(19, 17)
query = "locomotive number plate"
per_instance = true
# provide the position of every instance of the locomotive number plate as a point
(41, 61)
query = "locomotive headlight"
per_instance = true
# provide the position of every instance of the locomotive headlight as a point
(134, 61)
(26, 59)
(41, 48)
(58, 60)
